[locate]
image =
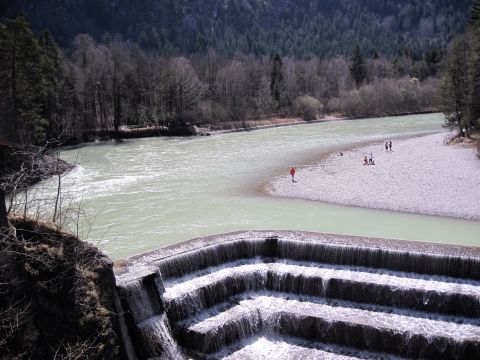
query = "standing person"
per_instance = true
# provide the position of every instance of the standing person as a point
(370, 160)
(292, 173)
(390, 145)
(386, 145)
(365, 161)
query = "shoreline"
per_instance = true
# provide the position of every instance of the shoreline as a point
(274, 123)
(217, 129)
(420, 176)
(311, 160)
(298, 121)
(40, 165)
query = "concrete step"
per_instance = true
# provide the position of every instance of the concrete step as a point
(288, 348)
(188, 295)
(406, 333)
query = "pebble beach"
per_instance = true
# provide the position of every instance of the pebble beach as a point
(420, 175)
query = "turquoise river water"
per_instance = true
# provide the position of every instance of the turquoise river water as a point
(146, 193)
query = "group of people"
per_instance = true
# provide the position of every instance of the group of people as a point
(369, 160)
(388, 145)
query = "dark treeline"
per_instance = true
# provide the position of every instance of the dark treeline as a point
(295, 28)
(46, 93)
(30, 84)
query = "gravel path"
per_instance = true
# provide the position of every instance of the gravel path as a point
(420, 175)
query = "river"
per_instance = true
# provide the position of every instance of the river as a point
(146, 193)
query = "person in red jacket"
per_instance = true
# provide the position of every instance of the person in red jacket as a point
(292, 173)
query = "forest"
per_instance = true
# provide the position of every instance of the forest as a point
(295, 28)
(102, 81)
(98, 86)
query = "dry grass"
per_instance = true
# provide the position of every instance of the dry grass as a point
(66, 277)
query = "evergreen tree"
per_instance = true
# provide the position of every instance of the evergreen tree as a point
(474, 105)
(455, 86)
(461, 79)
(475, 17)
(22, 86)
(30, 84)
(432, 59)
(276, 79)
(52, 72)
(358, 69)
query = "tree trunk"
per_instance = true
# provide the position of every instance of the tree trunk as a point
(116, 112)
(3, 210)
(460, 127)
(58, 199)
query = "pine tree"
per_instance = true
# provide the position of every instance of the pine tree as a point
(474, 103)
(30, 83)
(22, 84)
(475, 17)
(358, 69)
(432, 59)
(455, 86)
(52, 72)
(276, 80)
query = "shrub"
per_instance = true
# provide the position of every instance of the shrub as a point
(308, 107)
(390, 97)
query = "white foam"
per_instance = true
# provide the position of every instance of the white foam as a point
(186, 285)
(269, 307)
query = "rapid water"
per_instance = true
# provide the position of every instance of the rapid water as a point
(147, 193)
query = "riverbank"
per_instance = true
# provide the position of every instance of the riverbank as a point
(421, 175)
(57, 295)
(236, 126)
(126, 132)
(22, 167)
(259, 124)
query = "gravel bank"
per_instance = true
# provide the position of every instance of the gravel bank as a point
(421, 175)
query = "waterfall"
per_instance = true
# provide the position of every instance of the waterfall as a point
(210, 255)
(152, 333)
(379, 258)
(343, 295)
(157, 338)
(126, 340)
(141, 304)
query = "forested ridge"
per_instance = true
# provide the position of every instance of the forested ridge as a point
(296, 28)
(166, 64)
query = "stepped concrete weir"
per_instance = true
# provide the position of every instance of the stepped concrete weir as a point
(291, 295)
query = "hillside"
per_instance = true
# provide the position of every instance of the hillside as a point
(292, 27)
(56, 295)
